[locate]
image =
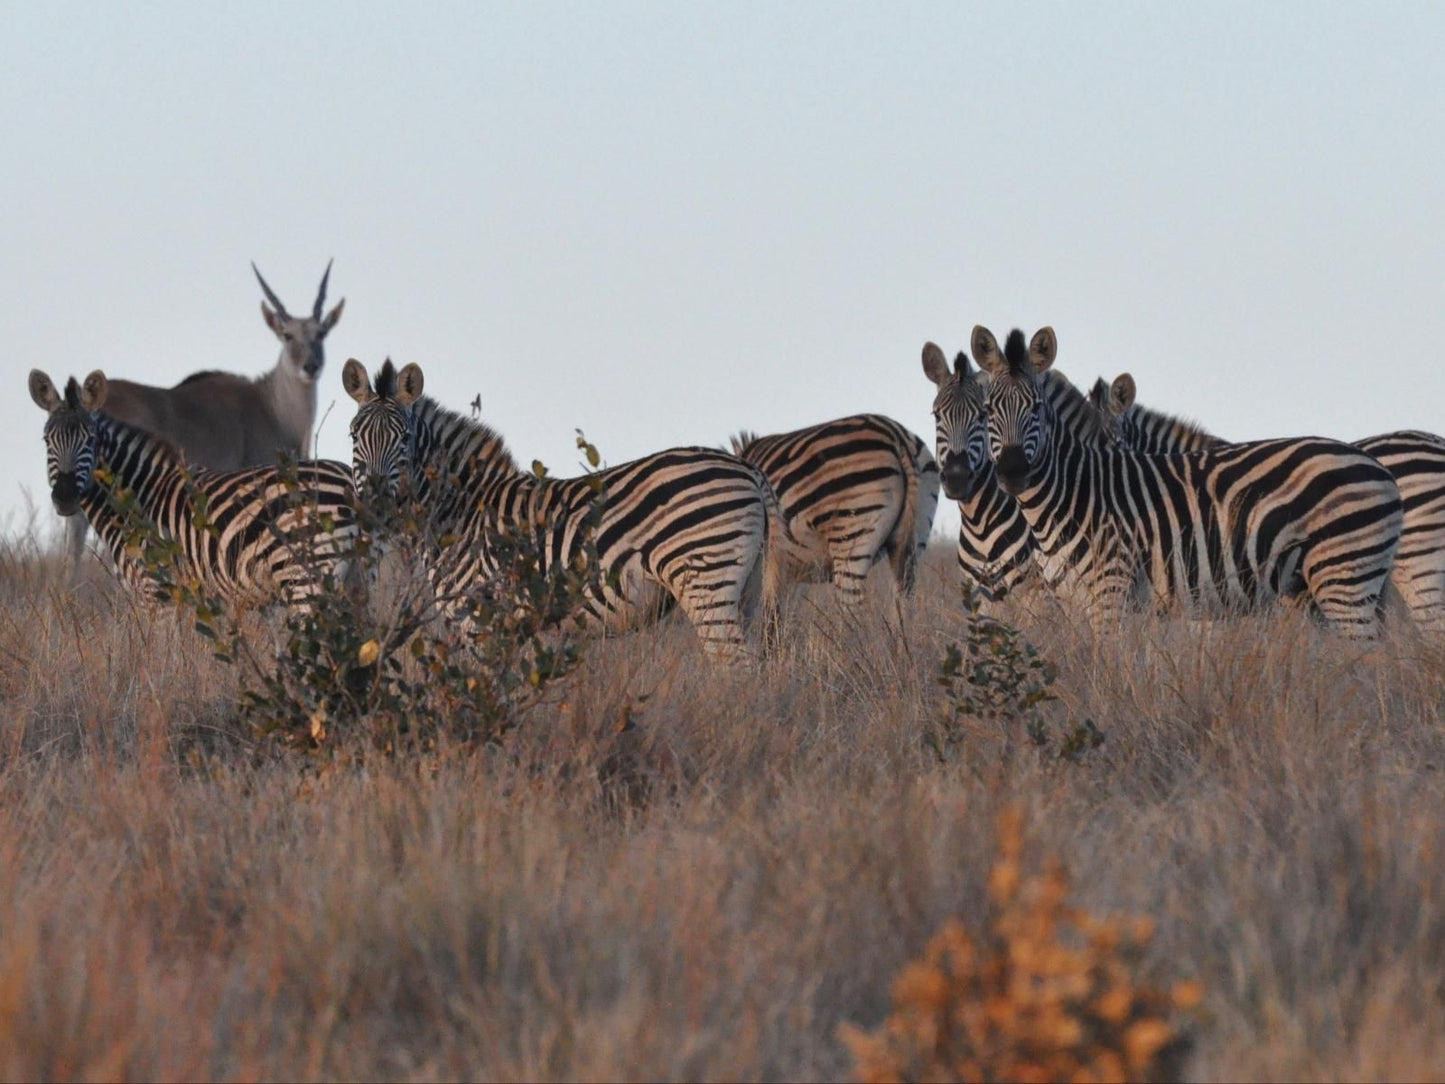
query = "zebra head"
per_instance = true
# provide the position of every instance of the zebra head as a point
(959, 422)
(303, 338)
(69, 435)
(1114, 404)
(383, 433)
(1018, 410)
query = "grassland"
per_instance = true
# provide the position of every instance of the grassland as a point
(682, 871)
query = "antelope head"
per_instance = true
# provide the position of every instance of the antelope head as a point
(303, 338)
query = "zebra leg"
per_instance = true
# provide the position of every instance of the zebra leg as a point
(1349, 595)
(712, 590)
(1419, 577)
(76, 527)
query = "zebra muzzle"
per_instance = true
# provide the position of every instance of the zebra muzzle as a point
(957, 480)
(1013, 469)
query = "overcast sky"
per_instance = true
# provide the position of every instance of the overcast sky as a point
(662, 223)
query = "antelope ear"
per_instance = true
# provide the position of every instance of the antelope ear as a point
(935, 364)
(93, 392)
(332, 317)
(1043, 348)
(409, 384)
(985, 351)
(272, 320)
(1121, 393)
(42, 391)
(356, 382)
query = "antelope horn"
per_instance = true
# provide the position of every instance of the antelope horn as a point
(321, 293)
(270, 293)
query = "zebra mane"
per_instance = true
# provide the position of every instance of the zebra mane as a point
(72, 394)
(1074, 411)
(386, 380)
(1182, 432)
(125, 432)
(1099, 394)
(460, 440)
(742, 441)
(1016, 352)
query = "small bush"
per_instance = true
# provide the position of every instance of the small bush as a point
(401, 680)
(993, 681)
(1046, 992)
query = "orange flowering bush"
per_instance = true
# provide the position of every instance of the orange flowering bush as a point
(1047, 993)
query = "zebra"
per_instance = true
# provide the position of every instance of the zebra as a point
(1415, 458)
(687, 526)
(995, 545)
(225, 421)
(851, 492)
(247, 535)
(1219, 530)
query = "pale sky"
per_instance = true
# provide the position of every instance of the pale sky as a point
(666, 222)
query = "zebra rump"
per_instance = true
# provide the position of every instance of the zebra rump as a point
(851, 491)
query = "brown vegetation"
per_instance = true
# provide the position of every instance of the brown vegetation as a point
(676, 870)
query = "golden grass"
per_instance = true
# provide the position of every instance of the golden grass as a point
(684, 871)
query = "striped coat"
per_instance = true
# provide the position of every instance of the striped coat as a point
(689, 527)
(251, 536)
(1216, 531)
(852, 492)
(1415, 458)
(995, 545)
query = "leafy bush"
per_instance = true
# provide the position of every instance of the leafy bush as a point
(996, 676)
(401, 677)
(1045, 992)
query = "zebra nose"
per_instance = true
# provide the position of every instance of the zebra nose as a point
(1013, 468)
(65, 495)
(957, 478)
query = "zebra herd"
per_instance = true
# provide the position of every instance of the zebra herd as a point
(1111, 505)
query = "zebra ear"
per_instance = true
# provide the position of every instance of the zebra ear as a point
(409, 384)
(42, 390)
(935, 364)
(1121, 393)
(985, 350)
(93, 392)
(1043, 348)
(356, 382)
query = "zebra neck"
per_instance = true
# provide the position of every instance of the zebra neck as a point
(459, 460)
(145, 465)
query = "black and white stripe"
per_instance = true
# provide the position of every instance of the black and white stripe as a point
(852, 491)
(1217, 531)
(252, 536)
(688, 526)
(995, 545)
(1415, 458)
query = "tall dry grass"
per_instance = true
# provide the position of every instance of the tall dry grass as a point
(682, 871)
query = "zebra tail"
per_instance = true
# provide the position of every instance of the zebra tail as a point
(910, 534)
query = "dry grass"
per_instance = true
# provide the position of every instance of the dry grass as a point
(713, 889)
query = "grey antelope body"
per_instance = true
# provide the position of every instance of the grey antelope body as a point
(225, 421)
(1415, 458)
(1217, 531)
(851, 492)
(689, 526)
(995, 545)
(271, 534)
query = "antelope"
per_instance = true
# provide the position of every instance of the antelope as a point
(226, 421)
